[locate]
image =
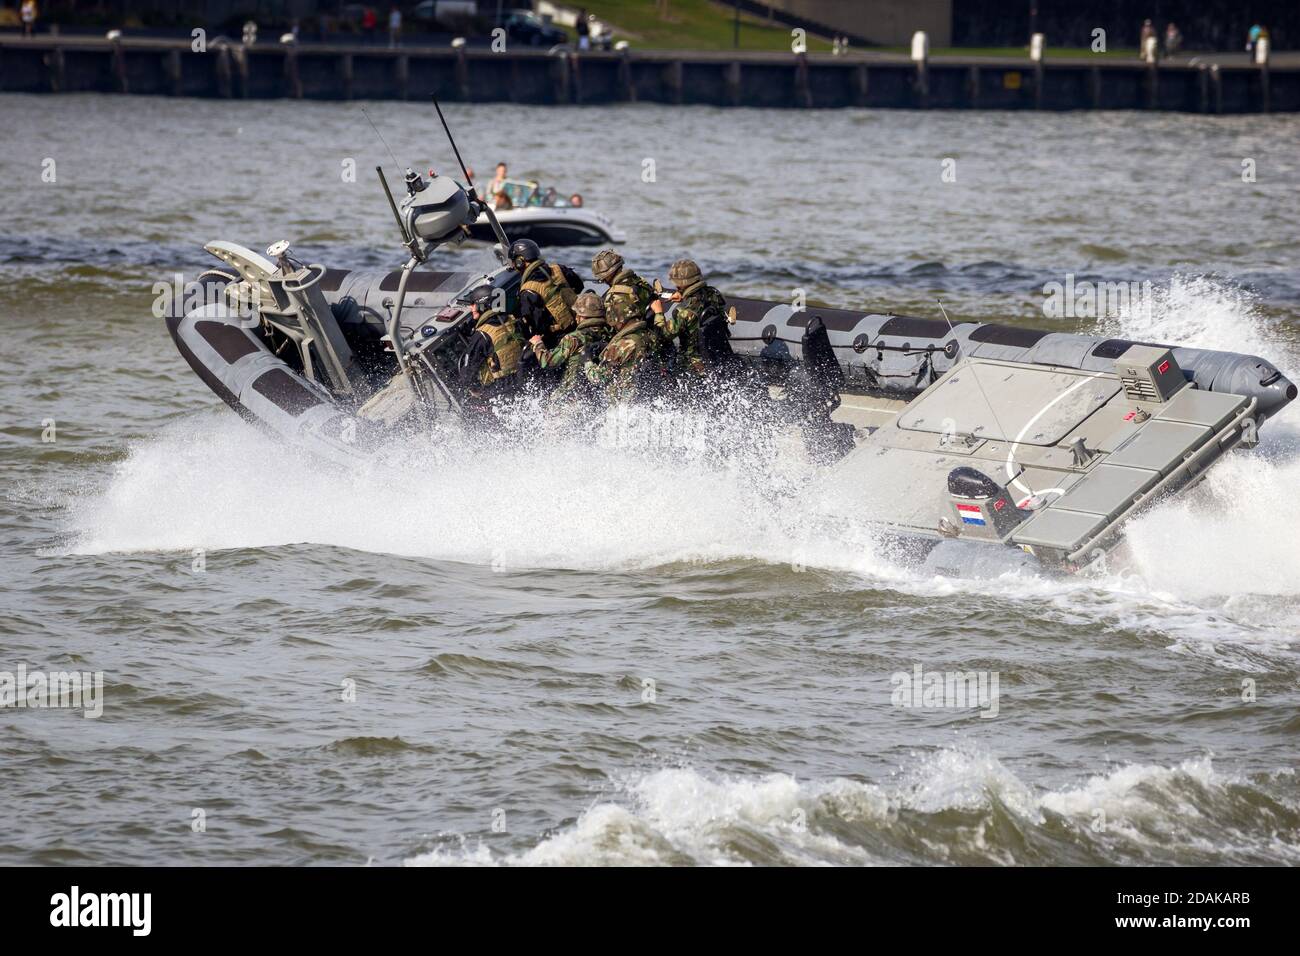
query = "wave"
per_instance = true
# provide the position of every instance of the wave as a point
(954, 806)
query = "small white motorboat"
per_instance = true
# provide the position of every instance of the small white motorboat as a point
(527, 211)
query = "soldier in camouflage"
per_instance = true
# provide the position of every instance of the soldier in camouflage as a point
(631, 366)
(629, 296)
(699, 323)
(576, 348)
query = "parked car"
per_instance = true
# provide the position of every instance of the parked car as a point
(527, 28)
(437, 15)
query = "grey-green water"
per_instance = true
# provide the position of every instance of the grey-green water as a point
(502, 629)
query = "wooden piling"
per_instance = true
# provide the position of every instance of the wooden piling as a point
(402, 75)
(173, 67)
(292, 80)
(119, 68)
(673, 80)
(732, 81)
(222, 71)
(346, 75)
(240, 53)
(462, 74)
(802, 91)
(625, 78)
(861, 84)
(560, 71)
(58, 76)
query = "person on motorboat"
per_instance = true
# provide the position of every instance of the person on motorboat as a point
(546, 291)
(699, 323)
(497, 183)
(490, 363)
(579, 346)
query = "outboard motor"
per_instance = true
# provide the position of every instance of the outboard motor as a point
(981, 506)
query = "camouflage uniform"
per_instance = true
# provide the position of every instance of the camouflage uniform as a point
(629, 364)
(572, 354)
(699, 302)
(628, 298)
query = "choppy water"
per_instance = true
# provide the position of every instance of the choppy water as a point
(501, 655)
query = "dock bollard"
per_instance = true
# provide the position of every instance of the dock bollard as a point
(625, 72)
(1036, 43)
(921, 57)
(1261, 60)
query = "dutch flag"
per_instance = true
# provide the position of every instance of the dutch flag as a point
(971, 514)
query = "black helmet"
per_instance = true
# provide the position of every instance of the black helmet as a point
(481, 296)
(522, 252)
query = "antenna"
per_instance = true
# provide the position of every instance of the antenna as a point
(502, 240)
(381, 137)
(383, 181)
(473, 193)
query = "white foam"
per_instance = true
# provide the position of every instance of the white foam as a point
(679, 815)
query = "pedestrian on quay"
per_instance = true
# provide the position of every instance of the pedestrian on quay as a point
(1173, 39)
(28, 14)
(394, 27)
(1252, 37)
(584, 30)
(1146, 50)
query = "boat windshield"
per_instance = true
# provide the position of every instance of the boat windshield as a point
(530, 193)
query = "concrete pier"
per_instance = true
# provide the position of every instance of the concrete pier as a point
(341, 72)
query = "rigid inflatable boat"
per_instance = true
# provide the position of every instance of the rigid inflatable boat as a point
(980, 446)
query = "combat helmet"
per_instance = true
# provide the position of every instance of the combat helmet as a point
(589, 306)
(684, 273)
(481, 296)
(522, 252)
(606, 264)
